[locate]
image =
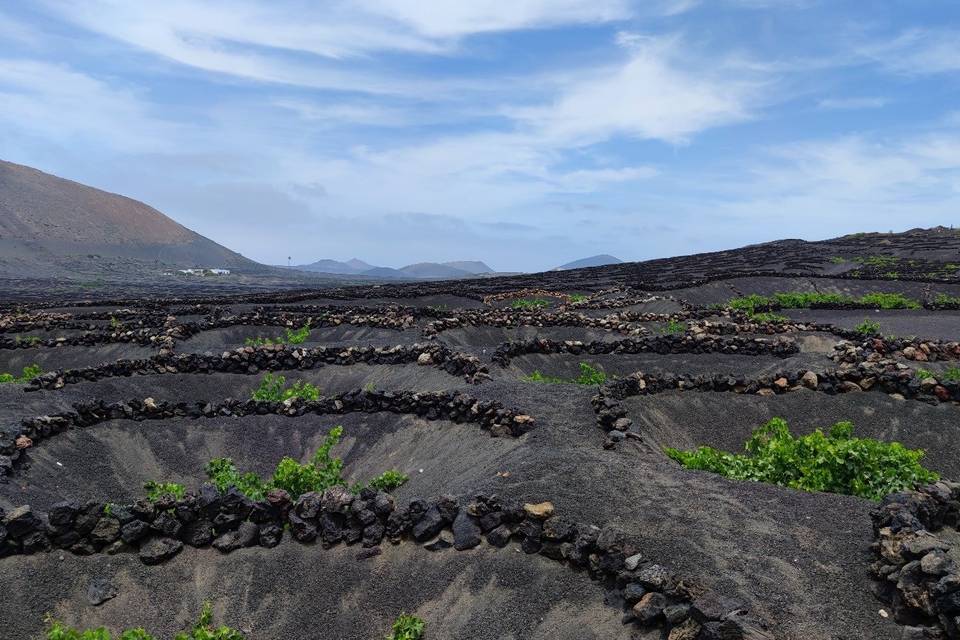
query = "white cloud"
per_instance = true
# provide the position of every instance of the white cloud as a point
(650, 96)
(590, 180)
(58, 103)
(845, 104)
(918, 52)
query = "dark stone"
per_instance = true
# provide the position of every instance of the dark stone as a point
(650, 607)
(198, 533)
(167, 525)
(466, 531)
(134, 531)
(61, 515)
(654, 577)
(711, 606)
(100, 590)
(270, 535)
(675, 614)
(364, 554)
(106, 531)
(157, 550)
(373, 534)
(443, 541)
(499, 537)
(246, 535)
(35, 541)
(633, 592)
(949, 603)
(88, 517)
(264, 511)
(383, 504)
(223, 522)
(21, 522)
(428, 526)
(308, 505)
(490, 521)
(332, 528)
(302, 530)
(558, 530)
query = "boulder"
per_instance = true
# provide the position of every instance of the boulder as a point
(159, 549)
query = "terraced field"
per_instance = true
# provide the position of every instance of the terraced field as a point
(540, 502)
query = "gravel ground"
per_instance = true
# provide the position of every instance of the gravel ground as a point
(799, 560)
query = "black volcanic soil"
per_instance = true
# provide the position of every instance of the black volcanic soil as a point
(798, 560)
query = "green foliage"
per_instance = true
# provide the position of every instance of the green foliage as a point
(952, 374)
(806, 300)
(528, 304)
(369, 387)
(675, 327)
(836, 463)
(114, 322)
(768, 317)
(389, 480)
(536, 376)
(29, 372)
(290, 336)
(577, 297)
(30, 340)
(868, 327)
(223, 473)
(158, 490)
(588, 376)
(322, 472)
(273, 389)
(880, 262)
(407, 627)
(944, 299)
(838, 260)
(923, 374)
(203, 630)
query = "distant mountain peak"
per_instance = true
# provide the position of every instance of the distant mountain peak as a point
(593, 261)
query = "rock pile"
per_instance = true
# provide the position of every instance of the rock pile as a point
(916, 569)
(254, 360)
(650, 594)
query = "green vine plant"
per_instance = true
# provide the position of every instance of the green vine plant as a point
(530, 304)
(868, 328)
(273, 389)
(290, 336)
(322, 472)
(835, 462)
(204, 629)
(29, 372)
(589, 375)
(407, 627)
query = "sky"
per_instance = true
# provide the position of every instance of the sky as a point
(525, 133)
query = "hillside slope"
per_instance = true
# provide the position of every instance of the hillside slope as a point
(49, 225)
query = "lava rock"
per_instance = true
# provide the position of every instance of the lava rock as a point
(466, 531)
(157, 550)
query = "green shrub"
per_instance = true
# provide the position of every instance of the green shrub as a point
(952, 374)
(290, 336)
(944, 299)
(577, 297)
(807, 299)
(674, 327)
(889, 301)
(868, 327)
(590, 375)
(29, 372)
(836, 463)
(923, 374)
(322, 472)
(273, 389)
(768, 317)
(530, 303)
(30, 340)
(158, 490)
(389, 480)
(202, 630)
(407, 627)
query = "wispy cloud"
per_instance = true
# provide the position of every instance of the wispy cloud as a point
(851, 104)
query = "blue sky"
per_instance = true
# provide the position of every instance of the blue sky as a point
(520, 132)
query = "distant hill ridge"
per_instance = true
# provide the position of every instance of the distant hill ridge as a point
(593, 261)
(46, 220)
(419, 270)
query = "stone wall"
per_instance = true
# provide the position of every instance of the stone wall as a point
(649, 593)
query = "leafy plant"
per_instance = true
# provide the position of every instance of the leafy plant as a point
(202, 630)
(407, 627)
(114, 322)
(588, 376)
(836, 462)
(273, 389)
(838, 260)
(674, 327)
(389, 480)
(577, 297)
(868, 327)
(889, 301)
(29, 372)
(530, 303)
(30, 340)
(160, 490)
(768, 317)
(923, 374)
(944, 299)
(223, 473)
(755, 303)
(290, 336)
(952, 374)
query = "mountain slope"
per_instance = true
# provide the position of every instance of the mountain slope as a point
(593, 261)
(46, 222)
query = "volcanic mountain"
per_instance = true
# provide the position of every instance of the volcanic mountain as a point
(49, 225)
